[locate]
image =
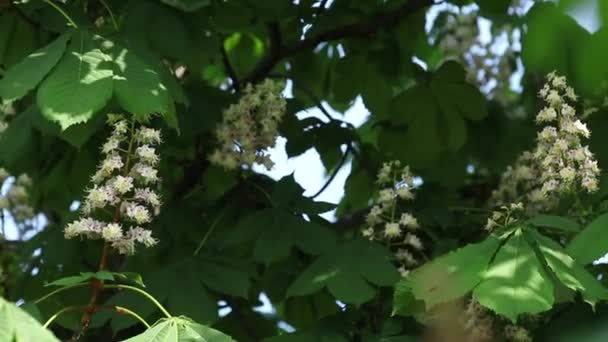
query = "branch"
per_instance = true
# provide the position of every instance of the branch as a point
(335, 172)
(369, 27)
(229, 69)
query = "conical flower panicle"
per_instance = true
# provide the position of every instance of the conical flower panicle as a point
(250, 126)
(123, 189)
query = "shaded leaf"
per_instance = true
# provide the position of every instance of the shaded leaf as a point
(348, 271)
(589, 245)
(570, 272)
(79, 86)
(25, 75)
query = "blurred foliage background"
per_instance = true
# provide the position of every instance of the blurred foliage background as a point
(451, 88)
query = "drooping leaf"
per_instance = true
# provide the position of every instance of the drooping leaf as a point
(515, 283)
(18, 326)
(82, 278)
(589, 245)
(276, 232)
(569, 271)
(452, 275)
(348, 271)
(557, 222)
(139, 88)
(25, 76)
(180, 329)
(80, 84)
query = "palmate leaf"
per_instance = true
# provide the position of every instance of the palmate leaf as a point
(436, 113)
(180, 329)
(18, 326)
(24, 76)
(590, 244)
(277, 231)
(139, 88)
(79, 86)
(348, 271)
(568, 271)
(515, 283)
(452, 275)
(557, 222)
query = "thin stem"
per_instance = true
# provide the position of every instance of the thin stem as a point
(63, 13)
(334, 173)
(105, 4)
(260, 189)
(209, 231)
(123, 310)
(61, 289)
(60, 312)
(143, 293)
(130, 148)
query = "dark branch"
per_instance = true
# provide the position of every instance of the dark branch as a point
(369, 27)
(334, 173)
(229, 69)
(321, 7)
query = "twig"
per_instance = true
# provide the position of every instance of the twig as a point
(229, 69)
(209, 231)
(321, 8)
(105, 4)
(62, 311)
(143, 293)
(123, 310)
(364, 28)
(61, 289)
(62, 12)
(334, 173)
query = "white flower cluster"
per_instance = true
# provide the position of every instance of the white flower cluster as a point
(559, 163)
(122, 189)
(250, 126)
(7, 112)
(383, 222)
(16, 200)
(489, 63)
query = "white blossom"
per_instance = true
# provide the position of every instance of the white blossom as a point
(392, 230)
(111, 232)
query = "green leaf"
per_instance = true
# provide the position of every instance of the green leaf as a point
(348, 272)
(557, 222)
(276, 232)
(79, 86)
(452, 275)
(515, 283)
(404, 302)
(82, 278)
(26, 75)
(589, 245)
(71, 280)
(223, 277)
(569, 272)
(187, 5)
(180, 329)
(17, 326)
(139, 89)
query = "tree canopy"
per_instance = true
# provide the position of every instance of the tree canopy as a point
(136, 136)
